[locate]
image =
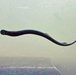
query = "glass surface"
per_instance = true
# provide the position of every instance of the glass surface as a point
(54, 17)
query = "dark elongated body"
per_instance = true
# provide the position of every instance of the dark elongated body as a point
(22, 32)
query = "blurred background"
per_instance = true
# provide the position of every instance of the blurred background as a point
(55, 17)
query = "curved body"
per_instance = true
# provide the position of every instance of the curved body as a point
(22, 32)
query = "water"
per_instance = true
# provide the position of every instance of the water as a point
(29, 71)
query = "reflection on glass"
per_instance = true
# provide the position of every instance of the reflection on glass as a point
(27, 66)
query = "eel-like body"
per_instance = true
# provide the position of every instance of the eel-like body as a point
(22, 32)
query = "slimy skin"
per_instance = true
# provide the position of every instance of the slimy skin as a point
(35, 32)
